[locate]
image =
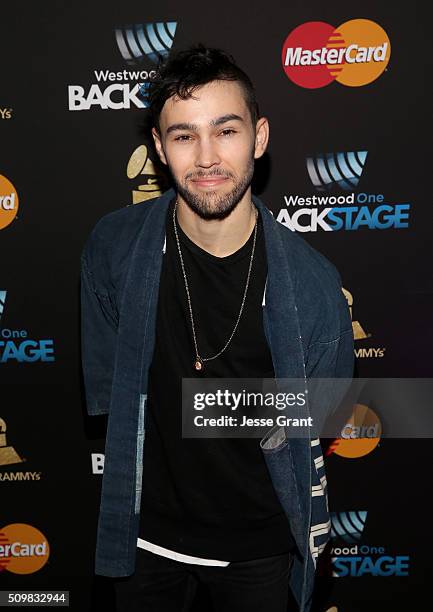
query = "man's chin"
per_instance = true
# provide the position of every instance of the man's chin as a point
(210, 208)
(209, 213)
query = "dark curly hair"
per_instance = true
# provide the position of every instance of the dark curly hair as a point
(183, 72)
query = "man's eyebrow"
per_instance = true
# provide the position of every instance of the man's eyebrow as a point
(181, 126)
(225, 118)
(194, 128)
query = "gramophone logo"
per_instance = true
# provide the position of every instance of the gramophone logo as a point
(8, 455)
(359, 333)
(142, 168)
(151, 40)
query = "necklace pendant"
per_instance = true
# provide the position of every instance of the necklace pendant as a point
(198, 364)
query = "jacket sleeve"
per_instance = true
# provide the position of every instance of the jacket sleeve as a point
(99, 324)
(331, 358)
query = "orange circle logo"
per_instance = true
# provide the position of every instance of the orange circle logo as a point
(8, 202)
(23, 549)
(354, 54)
(360, 435)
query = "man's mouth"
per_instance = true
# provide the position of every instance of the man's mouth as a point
(209, 181)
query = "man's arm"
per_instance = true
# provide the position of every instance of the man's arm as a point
(332, 359)
(99, 322)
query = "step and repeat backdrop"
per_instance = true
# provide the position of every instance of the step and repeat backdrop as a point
(344, 86)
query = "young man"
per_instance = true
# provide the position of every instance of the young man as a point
(203, 282)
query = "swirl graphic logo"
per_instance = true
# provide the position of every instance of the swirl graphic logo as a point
(3, 293)
(342, 169)
(354, 54)
(152, 40)
(348, 525)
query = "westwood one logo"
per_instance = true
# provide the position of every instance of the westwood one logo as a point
(356, 53)
(125, 89)
(354, 558)
(15, 344)
(347, 210)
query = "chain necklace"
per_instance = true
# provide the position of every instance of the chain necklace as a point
(199, 360)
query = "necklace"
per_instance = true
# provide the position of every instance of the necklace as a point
(199, 360)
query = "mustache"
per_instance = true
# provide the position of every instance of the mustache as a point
(200, 174)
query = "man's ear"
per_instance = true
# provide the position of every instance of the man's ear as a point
(262, 137)
(158, 145)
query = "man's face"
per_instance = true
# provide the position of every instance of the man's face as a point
(209, 143)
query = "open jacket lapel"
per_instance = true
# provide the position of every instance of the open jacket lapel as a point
(136, 338)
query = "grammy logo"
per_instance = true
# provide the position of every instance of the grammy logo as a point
(358, 332)
(8, 454)
(140, 165)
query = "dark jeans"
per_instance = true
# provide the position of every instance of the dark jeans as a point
(164, 585)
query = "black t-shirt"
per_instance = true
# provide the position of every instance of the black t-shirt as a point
(210, 498)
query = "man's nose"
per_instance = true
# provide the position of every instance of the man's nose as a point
(207, 154)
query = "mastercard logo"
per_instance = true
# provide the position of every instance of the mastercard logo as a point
(359, 436)
(23, 549)
(354, 54)
(8, 202)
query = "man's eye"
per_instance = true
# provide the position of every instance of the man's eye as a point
(182, 138)
(228, 132)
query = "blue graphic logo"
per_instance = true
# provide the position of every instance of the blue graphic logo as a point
(365, 564)
(151, 40)
(15, 344)
(342, 169)
(348, 210)
(348, 525)
(355, 559)
(2, 301)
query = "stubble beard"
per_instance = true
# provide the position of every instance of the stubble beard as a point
(210, 205)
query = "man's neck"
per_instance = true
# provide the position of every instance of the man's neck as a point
(220, 237)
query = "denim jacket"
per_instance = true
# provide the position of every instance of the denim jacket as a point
(309, 332)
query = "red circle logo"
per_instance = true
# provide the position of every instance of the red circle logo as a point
(23, 549)
(356, 53)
